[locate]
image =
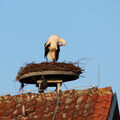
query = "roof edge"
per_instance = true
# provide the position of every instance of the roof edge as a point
(113, 106)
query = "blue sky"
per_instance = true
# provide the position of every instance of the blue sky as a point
(91, 29)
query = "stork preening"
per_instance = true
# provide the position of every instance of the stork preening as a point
(52, 47)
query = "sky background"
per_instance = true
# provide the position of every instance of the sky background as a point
(91, 29)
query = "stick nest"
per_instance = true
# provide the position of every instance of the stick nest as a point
(48, 66)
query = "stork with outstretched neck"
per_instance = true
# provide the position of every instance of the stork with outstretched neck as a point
(52, 47)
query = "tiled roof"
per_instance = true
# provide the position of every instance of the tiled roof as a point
(89, 104)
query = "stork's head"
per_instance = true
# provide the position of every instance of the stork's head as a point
(62, 42)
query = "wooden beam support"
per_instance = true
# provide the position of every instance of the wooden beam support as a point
(58, 87)
(51, 81)
(39, 84)
(58, 84)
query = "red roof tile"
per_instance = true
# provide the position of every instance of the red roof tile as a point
(90, 104)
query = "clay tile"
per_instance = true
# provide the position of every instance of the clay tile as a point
(104, 104)
(72, 106)
(59, 114)
(90, 118)
(91, 111)
(62, 106)
(85, 113)
(40, 109)
(70, 118)
(85, 98)
(79, 118)
(100, 117)
(108, 90)
(12, 105)
(74, 99)
(30, 109)
(63, 101)
(100, 98)
(98, 112)
(108, 97)
(3, 105)
(94, 97)
(33, 102)
(108, 104)
(9, 111)
(87, 105)
(50, 115)
(9, 117)
(80, 113)
(79, 100)
(70, 113)
(82, 105)
(64, 115)
(68, 100)
(59, 118)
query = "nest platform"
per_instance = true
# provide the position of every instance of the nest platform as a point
(52, 72)
(33, 77)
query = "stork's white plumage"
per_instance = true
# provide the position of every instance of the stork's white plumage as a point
(52, 47)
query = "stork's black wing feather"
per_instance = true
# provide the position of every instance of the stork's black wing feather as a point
(46, 50)
(57, 52)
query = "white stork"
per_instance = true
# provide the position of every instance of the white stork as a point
(52, 47)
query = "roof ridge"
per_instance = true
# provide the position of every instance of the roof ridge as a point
(101, 91)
